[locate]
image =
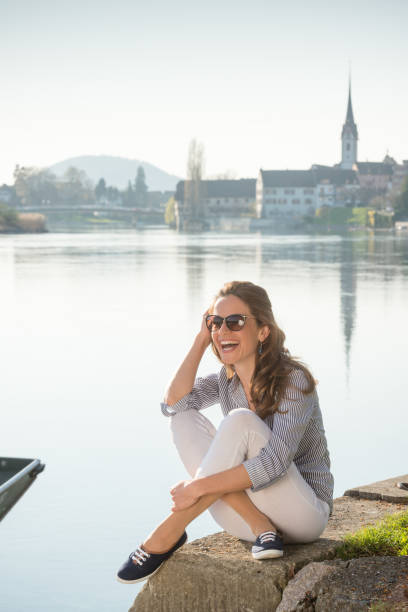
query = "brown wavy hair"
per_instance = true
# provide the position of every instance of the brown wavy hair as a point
(273, 366)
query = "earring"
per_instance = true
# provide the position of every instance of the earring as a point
(260, 347)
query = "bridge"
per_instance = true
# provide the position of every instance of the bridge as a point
(90, 208)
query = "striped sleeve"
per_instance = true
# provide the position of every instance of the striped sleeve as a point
(274, 459)
(205, 393)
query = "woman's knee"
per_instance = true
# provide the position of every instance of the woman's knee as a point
(241, 419)
(191, 423)
(180, 420)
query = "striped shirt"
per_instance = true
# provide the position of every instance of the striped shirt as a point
(297, 432)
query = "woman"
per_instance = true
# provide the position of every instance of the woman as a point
(265, 473)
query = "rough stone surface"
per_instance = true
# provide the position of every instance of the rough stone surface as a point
(385, 490)
(218, 574)
(301, 592)
(354, 585)
(197, 579)
(358, 584)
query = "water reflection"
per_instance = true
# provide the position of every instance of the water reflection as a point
(194, 257)
(348, 296)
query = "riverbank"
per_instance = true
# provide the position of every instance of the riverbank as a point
(22, 223)
(218, 572)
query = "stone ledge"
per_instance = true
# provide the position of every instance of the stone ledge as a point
(319, 587)
(218, 574)
(385, 490)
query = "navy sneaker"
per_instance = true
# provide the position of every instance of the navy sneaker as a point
(268, 545)
(141, 564)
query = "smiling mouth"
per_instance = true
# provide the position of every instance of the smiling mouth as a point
(227, 347)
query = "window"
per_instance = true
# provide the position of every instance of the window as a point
(296, 201)
(308, 201)
(306, 191)
(289, 191)
(348, 146)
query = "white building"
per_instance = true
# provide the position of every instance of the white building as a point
(285, 193)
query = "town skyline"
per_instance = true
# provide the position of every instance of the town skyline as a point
(261, 87)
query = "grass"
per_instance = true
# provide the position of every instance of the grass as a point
(387, 538)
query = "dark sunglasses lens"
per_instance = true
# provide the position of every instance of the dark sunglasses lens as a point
(214, 322)
(235, 322)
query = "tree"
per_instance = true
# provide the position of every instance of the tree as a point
(8, 217)
(39, 187)
(378, 202)
(35, 187)
(169, 215)
(140, 188)
(76, 187)
(195, 169)
(228, 175)
(129, 195)
(113, 195)
(100, 189)
(401, 202)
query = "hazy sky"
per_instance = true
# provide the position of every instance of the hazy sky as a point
(260, 84)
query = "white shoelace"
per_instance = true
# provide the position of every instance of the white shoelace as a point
(140, 556)
(267, 536)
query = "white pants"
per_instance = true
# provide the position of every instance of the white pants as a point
(289, 502)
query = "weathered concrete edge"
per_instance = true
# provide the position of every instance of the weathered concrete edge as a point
(385, 490)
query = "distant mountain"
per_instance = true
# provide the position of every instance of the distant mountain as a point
(117, 171)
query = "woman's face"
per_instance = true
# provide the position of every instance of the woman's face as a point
(237, 347)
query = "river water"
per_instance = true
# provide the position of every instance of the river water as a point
(92, 325)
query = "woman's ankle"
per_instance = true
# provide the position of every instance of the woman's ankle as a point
(161, 540)
(263, 525)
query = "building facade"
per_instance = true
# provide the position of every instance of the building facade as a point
(301, 192)
(216, 197)
(285, 193)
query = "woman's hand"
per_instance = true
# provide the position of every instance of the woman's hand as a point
(183, 495)
(205, 333)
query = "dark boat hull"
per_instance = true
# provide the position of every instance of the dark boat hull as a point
(16, 476)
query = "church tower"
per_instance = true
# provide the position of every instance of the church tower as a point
(349, 137)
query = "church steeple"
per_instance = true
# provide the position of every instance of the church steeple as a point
(349, 137)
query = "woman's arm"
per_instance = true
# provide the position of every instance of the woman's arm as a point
(184, 378)
(187, 492)
(228, 481)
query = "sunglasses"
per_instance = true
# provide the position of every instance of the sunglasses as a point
(234, 322)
